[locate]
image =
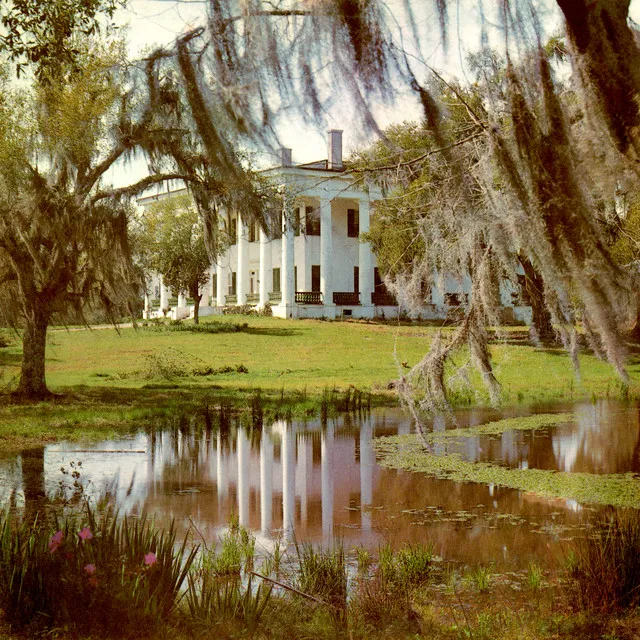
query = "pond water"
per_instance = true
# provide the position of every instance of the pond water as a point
(321, 483)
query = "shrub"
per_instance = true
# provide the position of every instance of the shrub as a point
(107, 575)
(605, 567)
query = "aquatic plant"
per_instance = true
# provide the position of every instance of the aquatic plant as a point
(109, 575)
(323, 574)
(605, 567)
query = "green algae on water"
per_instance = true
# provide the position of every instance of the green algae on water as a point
(407, 452)
(526, 423)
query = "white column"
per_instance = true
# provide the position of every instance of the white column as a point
(182, 300)
(287, 285)
(326, 481)
(288, 479)
(265, 273)
(266, 482)
(365, 258)
(222, 269)
(222, 265)
(242, 274)
(326, 251)
(164, 295)
(243, 478)
(366, 474)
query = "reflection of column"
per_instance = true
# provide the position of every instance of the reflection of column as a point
(243, 478)
(266, 272)
(288, 478)
(221, 477)
(326, 474)
(266, 481)
(288, 248)
(242, 277)
(301, 479)
(366, 475)
(326, 251)
(365, 272)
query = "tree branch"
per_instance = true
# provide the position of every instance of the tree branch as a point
(409, 163)
(141, 185)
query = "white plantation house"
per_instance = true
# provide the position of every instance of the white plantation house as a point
(315, 265)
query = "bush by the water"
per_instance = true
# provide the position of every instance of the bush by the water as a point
(605, 566)
(95, 574)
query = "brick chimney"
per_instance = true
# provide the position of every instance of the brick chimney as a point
(334, 150)
(285, 156)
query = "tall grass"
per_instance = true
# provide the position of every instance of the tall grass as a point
(323, 574)
(605, 567)
(96, 575)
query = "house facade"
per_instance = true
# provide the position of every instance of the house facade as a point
(314, 263)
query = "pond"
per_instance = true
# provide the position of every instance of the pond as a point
(319, 483)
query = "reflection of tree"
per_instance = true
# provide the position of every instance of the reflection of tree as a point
(33, 482)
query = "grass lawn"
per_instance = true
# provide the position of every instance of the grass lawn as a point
(301, 355)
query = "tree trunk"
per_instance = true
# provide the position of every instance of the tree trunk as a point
(540, 316)
(196, 308)
(32, 384)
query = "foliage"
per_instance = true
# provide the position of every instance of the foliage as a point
(170, 241)
(323, 574)
(42, 34)
(107, 576)
(605, 566)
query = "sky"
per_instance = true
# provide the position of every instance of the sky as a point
(158, 22)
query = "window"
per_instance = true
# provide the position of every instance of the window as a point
(276, 226)
(253, 232)
(312, 217)
(295, 278)
(315, 277)
(276, 280)
(356, 279)
(214, 284)
(353, 223)
(296, 221)
(232, 286)
(233, 230)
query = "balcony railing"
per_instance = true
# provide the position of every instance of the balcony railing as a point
(253, 298)
(232, 299)
(275, 296)
(308, 297)
(173, 302)
(346, 298)
(383, 299)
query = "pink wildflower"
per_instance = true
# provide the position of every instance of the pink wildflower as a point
(85, 534)
(90, 569)
(55, 541)
(150, 559)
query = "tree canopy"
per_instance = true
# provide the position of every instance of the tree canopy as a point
(171, 242)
